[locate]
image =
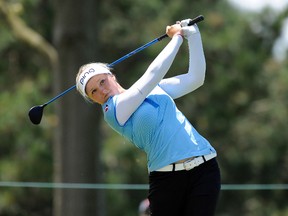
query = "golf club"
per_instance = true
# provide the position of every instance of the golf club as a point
(36, 112)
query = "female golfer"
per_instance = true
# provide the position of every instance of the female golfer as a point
(184, 178)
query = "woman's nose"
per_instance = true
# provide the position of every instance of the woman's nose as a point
(104, 91)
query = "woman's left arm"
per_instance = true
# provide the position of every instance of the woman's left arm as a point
(133, 97)
(180, 85)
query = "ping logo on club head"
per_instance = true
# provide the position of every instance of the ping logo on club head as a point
(91, 70)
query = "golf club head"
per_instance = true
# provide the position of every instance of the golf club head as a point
(35, 114)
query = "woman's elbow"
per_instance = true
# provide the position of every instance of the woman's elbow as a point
(196, 83)
(201, 74)
(200, 82)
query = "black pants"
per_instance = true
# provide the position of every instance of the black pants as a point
(185, 193)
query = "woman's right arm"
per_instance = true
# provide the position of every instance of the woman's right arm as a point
(182, 84)
(131, 99)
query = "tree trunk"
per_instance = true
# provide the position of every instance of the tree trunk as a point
(77, 136)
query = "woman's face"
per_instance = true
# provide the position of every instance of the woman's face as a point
(102, 86)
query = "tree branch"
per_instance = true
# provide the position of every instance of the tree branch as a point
(28, 35)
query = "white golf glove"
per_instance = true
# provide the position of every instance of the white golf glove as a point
(188, 30)
(185, 22)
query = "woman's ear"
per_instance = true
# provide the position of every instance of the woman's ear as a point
(113, 76)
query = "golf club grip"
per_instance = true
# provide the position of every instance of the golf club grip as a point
(196, 20)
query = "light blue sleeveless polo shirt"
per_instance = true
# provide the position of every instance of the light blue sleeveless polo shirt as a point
(160, 129)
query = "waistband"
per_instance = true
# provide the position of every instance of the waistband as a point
(188, 164)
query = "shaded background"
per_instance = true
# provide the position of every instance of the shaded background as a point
(241, 109)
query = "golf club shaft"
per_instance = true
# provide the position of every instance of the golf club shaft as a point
(112, 64)
(193, 21)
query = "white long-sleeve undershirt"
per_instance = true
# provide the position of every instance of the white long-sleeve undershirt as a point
(180, 85)
(177, 86)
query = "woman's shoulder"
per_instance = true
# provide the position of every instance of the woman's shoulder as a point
(109, 104)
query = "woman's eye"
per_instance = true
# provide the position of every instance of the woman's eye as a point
(102, 81)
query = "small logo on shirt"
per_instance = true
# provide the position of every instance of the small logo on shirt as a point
(106, 108)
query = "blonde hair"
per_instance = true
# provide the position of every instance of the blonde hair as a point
(84, 67)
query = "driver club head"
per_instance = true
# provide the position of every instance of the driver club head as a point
(35, 114)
